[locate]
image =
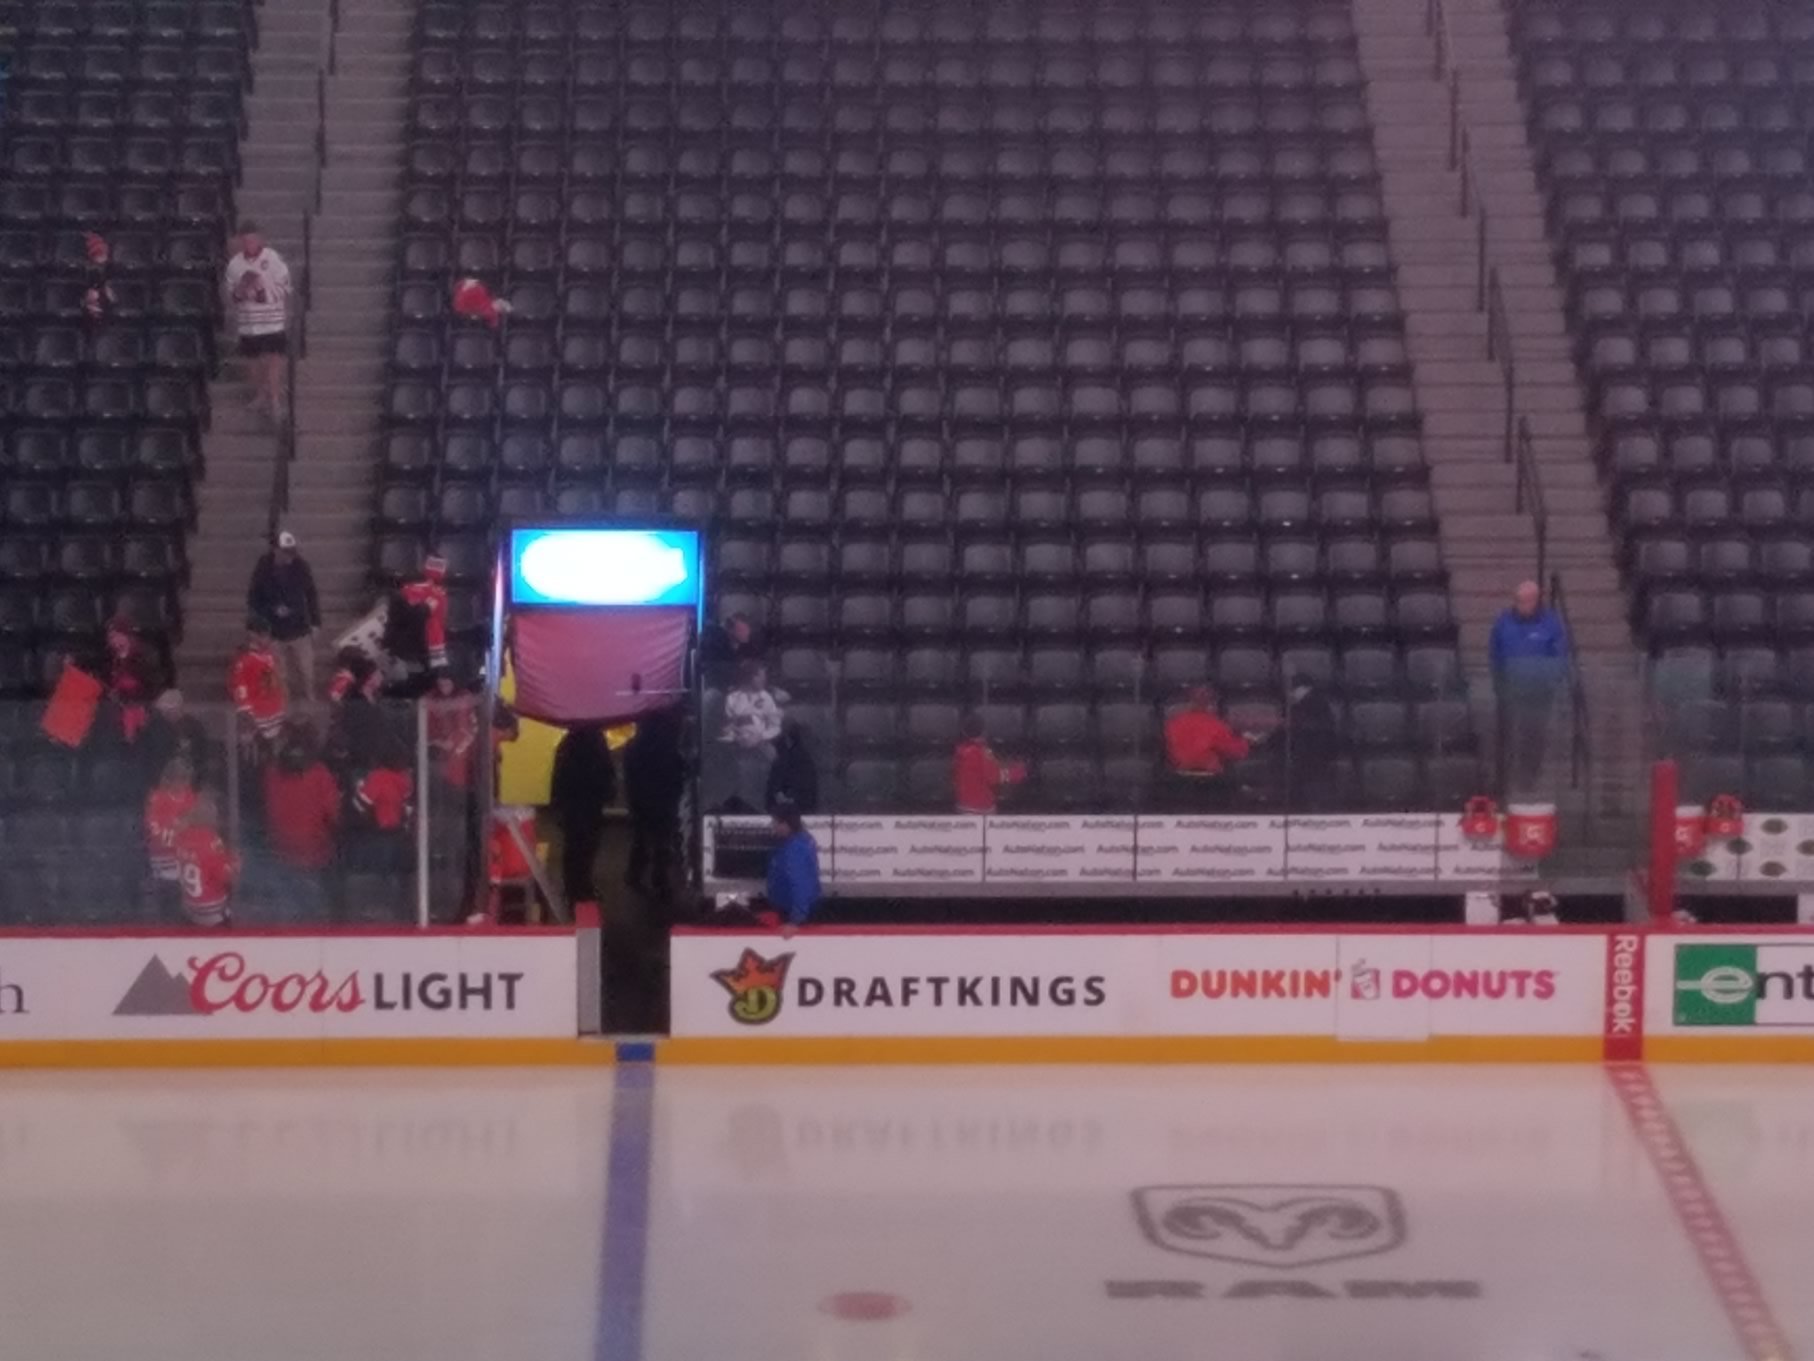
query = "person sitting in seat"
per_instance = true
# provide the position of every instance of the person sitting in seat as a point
(977, 775)
(1198, 747)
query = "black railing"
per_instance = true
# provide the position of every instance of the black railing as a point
(306, 294)
(1580, 734)
(1436, 27)
(1517, 445)
(303, 299)
(321, 134)
(1499, 349)
(286, 442)
(1527, 496)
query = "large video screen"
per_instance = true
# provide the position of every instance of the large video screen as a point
(600, 566)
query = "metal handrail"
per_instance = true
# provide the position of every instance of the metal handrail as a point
(1517, 446)
(286, 447)
(307, 292)
(334, 35)
(1580, 747)
(1436, 27)
(1528, 493)
(321, 133)
(1499, 347)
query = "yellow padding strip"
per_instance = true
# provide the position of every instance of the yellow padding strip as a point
(1135, 1049)
(400, 1053)
(1749, 1047)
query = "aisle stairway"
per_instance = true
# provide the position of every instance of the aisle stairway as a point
(1490, 547)
(339, 381)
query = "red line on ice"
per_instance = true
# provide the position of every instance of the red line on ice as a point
(1702, 1220)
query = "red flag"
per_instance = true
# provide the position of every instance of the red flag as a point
(73, 704)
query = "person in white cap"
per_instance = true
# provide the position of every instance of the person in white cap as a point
(283, 592)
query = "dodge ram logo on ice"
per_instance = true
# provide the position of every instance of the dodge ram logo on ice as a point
(1271, 1226)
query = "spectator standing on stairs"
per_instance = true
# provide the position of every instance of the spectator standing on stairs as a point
(283, 591)
(1528, 651)
(258, 284)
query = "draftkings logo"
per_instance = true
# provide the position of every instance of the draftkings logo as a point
(757, 987)
(1286, 1230)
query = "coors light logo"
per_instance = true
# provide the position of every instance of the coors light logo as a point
(227, 981)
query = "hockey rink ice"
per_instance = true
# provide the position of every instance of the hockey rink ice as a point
(1415, 1213)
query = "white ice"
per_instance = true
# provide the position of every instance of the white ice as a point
(982, 1214)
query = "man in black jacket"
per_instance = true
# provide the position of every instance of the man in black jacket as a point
(283, 591)
(655, 776)
(172, 734)
(725, 647)
(584, 784)
(1312, 737)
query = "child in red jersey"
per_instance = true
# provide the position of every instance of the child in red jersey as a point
(256, 684)
(383, 795)
(167, 807)
(206, 869)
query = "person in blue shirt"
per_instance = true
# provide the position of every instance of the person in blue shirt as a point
(793, 871)
(1528, 651)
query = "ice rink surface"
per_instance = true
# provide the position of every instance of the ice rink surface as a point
(899, 1214)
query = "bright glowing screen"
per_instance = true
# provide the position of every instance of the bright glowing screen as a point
(604, 567)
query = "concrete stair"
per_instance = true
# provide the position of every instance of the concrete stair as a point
(1489, 545)
(339, 379)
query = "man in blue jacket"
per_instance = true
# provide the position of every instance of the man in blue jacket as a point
(1529, 654)
(793, 871)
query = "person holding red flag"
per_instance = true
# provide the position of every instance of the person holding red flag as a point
(133, 676)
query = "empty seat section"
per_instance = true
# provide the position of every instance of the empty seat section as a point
(1671, 143)
(1040, 361)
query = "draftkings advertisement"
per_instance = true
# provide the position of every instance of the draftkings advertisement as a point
(1396, 986)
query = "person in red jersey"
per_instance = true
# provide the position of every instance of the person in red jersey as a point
(302, 803)
(133, 676)
(383, 794)
(416, 632)
(453, 736)
(206, 869)
(472, 299)
(977, 775)
(381, 804)
(1198, 746)
(167, 807)
(355, 678)
(255, 681)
